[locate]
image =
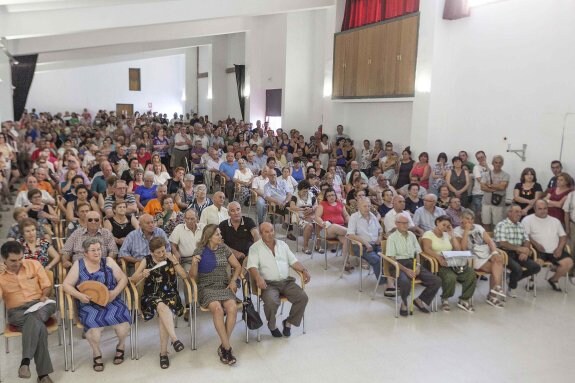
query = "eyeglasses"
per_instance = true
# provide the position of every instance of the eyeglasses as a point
(93, 219)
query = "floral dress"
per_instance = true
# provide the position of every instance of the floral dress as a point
(169, 224)
(41, 252)
(160, 287)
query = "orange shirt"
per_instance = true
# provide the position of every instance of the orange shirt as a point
(24, 287)
(154, 207)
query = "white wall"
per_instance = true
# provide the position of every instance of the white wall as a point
(191, 92)
(265, 60)
(205, 83)
(505, 72)
(304, 71)
(102, 86)
(6, 110)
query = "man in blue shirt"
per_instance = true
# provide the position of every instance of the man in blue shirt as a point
(136, 246)
(227, 171)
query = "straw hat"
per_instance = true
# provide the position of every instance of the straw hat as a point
(97, 291)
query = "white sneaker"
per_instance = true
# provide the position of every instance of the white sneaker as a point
(512, 293)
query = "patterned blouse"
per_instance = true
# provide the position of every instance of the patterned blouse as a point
(41, 252)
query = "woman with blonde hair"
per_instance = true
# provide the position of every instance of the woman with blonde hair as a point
(216, 290)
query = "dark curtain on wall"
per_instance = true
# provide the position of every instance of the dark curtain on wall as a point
(240, 81)
(363, 12)
(455, 9)
(22, 75)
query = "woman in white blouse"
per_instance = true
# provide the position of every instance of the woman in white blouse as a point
(243, 178)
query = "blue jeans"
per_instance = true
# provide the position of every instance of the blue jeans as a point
(476, 201)
(261, 209)
(373, 258)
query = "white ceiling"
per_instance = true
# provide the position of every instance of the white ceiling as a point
(69, 29)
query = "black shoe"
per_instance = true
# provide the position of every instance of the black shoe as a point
(276, 333)
(287, 330)
(554, 285)
(403, 312)
(421, 307)
(389, 292)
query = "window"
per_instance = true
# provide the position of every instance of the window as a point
(134, 77)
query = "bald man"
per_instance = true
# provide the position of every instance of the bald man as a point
(216, 213)
(269, 261)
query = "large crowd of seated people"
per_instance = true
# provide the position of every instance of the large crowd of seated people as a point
(96, 191)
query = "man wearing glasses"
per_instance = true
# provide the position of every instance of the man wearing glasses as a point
(73, 249)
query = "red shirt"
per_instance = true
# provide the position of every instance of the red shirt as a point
(333, 214)
(143, 160)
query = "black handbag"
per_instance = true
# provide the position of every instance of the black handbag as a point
(496, 199)
(249, 313)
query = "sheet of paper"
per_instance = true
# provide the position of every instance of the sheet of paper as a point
(39, 305)
(451, 254)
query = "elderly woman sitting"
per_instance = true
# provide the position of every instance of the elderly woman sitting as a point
(161, 294)
(39, 249)
(486, 257)
(94, 267)
(215, 289)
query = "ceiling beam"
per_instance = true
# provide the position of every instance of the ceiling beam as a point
(119, 36)
(74, 20)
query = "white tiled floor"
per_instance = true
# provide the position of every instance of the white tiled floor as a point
(351, 338)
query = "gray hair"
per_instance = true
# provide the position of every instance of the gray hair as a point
(148, 174)
(89, 242)
(468, 213)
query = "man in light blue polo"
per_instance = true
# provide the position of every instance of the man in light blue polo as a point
(227, 171)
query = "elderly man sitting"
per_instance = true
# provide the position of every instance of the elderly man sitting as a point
(239, 232)
(185, 237)
(23, 283)
(404, 247)
(269, 261)
(216, 213)
(425, 216)
(549, 239)
(454, 211)
(120, 194)
(73, 249)
(399, 208)
(364, 228)
(136, 245)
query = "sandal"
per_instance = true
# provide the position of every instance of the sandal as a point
(178, 346)
(307, 251)
(119, 357)
(320, 250)
(349, 268)
(164, 361)
(445, 305)
(98, 366)
(493, 301)
(465, 306)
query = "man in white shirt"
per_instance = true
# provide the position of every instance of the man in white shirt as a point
(399, 208)
(364, 228)
(216, 213)
(182, 144)
(185, 237)
(546, 234)
(269, 261)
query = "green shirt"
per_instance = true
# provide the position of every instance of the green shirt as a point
(402, 246)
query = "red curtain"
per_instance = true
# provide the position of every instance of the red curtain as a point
(362, 12)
